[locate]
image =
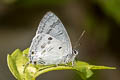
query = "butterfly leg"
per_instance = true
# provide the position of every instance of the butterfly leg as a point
(72, 63)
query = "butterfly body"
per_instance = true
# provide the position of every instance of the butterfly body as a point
(51, 44)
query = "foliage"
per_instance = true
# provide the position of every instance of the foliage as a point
(17, 63)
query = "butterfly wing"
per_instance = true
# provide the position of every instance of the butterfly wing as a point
(50, 37)
(51, 24)
(47, 49)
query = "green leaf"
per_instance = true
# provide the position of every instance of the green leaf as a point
(15, 53)
(84, 69)
(30, 72)
(18, 65)
(21, 61)
(12, 66)
(25, 52)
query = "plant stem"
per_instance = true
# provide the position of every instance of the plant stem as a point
(53, 69)
(101, 67)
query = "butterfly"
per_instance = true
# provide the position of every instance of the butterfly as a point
(51, 44)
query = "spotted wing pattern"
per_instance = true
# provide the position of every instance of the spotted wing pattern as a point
(51, 24)
(46, 49)
(51, 44)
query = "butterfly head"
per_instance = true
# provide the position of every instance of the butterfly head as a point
(75, 52)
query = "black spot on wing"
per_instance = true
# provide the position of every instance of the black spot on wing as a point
(60, 47)
(32, 52)
(50, 38)
(35, 62)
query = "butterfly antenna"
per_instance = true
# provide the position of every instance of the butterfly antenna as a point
(77, 44)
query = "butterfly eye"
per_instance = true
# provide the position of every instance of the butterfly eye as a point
(50, 38)
(75, 52)
(60, 47)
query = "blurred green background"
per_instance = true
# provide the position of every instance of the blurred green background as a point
(100, 45)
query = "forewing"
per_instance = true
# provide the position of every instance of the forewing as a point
(51, 24)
